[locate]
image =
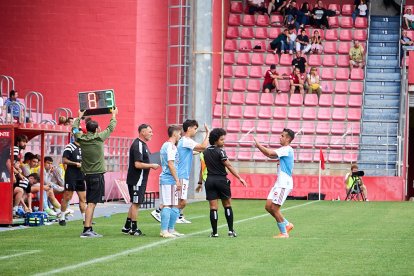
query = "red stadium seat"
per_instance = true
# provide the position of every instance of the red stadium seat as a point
(344, 47)
(261, 33)
(407, 7)
(262, 45)
(234, 20)
(336, 142)
(321, 142)
(352, 142)
(315, 60)
(263, 126)
(222, 97)
(347, 9)
(323, 127)
(233, 126)
(266, 99)
(354, 128)
(239, 85)
(252, 99)
(296, 100)
(410, 34)
(345, 35)
(278, 126)
(343, 61)
(340, 100)
(325, 100)
(338, 128)
(294, 113)
(228, 71)
(331, 34)
(309, 113)
(228, 58)
(329, 60)
(284, 71)
(293, 125)
(247, 125)
(226, 85)
(285, 59)
(272, 59)
(339, 114)
(280, 113)
(311, 100)
(342, 73)
(355, 101)
(257, 59)
(305, 156)
(329, 47)
(308, 127)
(248, 20)
(232, 32)
(360, 35)
(250, 112)
(256, 72)
(356, 87)
(324, 113)
(327, 87)
(307, 141)
(254, 85)
(281, 99)
(241, 72)
(237, 98)
(327, 74)
(262, 20)
(335, 156)
(341, 87)
(235, 111)
(230, 152)
(333, 22)
(350, 157)
(284, 85)
(246, 32)
(243, 58)
(231, 140)
(274, 32)
(334, 7)
(276, 20)
(265, 112)
(230, 45)
(354, 114)
(357, 74)
(236, 7)
(346, 22)
(217, 123)
(361, 23)
(258, 156)
(245, 46)
(218, 111)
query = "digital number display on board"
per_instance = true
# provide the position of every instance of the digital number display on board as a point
(97, 102)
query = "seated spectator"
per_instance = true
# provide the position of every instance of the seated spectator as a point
(20, 188)
(48, 194)
(270, 80)
(275, 5)
(313, 80)
(297, 81)
(302, 42)
(256, 6)
(406, 43)
(360, 12)
(12, 108)
(316, 43)
(356, 56)
(279, 44)
(53, 176)
(320, 15)
(303, 17)
(291, 39)
(300, 62)
(409, 19)
(291, 12)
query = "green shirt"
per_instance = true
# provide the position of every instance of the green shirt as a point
(92, 146)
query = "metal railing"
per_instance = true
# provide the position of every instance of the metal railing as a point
(38, 110)
(9, 82)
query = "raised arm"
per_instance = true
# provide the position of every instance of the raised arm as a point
(204, 144)
(267, 152)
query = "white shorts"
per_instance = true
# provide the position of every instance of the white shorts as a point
(169, 195)
(184, 188)
(278, 195)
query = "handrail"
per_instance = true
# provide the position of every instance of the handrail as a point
(399, 40)
(22, 112)
(9, 80)
(39, 104)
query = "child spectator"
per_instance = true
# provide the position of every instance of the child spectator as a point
(279, 44)
(270, 81)
(302, 42)
(297, 81)
(313, 81)
(316, 43)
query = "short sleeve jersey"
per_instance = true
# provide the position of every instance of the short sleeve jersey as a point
(268, 77)
(299, 63)
(214, 157)
(16, 154)
(356, 53)
(73, 153)
(138, 152)
(168, 152)
(303, 38)
(286, 158)
(296, 79)
(185, 157)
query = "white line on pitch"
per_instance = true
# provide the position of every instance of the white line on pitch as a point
(155, 244)
(19, 254)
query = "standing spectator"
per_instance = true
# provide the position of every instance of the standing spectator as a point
(270, 81)
(256, 6)
(316, 43)
(297, 81)
(279, 44)
(356, 56)
(291, 12)
(300, 62)
(302, 42)
(93, 165)
(303, 17)
(408, 20)
(137, 177)
(291, 39)
(313, 80)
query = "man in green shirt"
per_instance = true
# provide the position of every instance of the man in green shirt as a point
(93, 165)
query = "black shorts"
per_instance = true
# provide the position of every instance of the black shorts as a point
(137, 193)
(217, 187)
(75, 185)
(95, 188)
(269, 86)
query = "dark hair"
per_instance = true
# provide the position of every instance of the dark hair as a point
(22, 138)
(92, 126)
(290, 133)
(69, 118)
(48, 159)
(354, 166)
(12, 93)
(172, 129)
(28, 156)
(189, 123)
(215, 135)
(35, 176)
(143, 126)
(273, 66)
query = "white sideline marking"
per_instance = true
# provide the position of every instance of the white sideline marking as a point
(19, 254)
(151, 245)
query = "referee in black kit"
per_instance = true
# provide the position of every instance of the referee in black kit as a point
(217, 184)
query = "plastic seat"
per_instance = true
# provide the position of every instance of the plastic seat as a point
(356, 87)
(252, 99)
(234, 20)
(229, 58)
(410, 34)
(262, 20)
(285, 59)
(233, 126)
(257, 59)
(232, 32)
(276, 20)
(258, 156)
(345, 35)
(347, 9)
(354, 114)
(344, 47)
(230, 152)
(340, 101)
(296, 100)
(243, 59)
(360, 35)
(216, 123)
(284, 71)
(241, 72)
(280, 113)
(350, 157)
(311, 100)
(235, 111)
(263, 126)
(338, 128)
(250, 112)
(222, 97)
(321, 142)
(329, 47)
(341, 87)
(281, 99)
(346, 22)
(248, 20)
(272, 59)
(266, 99)
(256, 72)
(239, 85)
(309, 113)
(293, 125)
(315, 60)
(343, 61)
(331, 34)
(284, 85)
(333, 22)
(245, 46)
(329, 60)
(352, 142)
(323, 127)
(236, 7)
(226, 84)
(294, 113)
(335, 156)
(228, 71)
(307, 141)
(324, 113)
(327, 87)
(342, 73)
(277, 127)
(327, 74)
(246, 33)
(247, 125)
(357, 74)
(218, 111)
(237, 98)
(308, 127)
(354, 128)
(334, 7)
(230, 45)
(339, 114)
(265, 112)
(260, 33)
(231, 140)
(262, 45)
(274, 32)
(325, 100)
(355, 101)
(361, 23)
(254, 85)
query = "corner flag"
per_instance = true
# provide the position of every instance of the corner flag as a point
(322, 158)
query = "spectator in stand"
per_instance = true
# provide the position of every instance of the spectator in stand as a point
(279, 44)
(316, 43)
(356, 56)
(302, 42)
(297, 81)
(303, 17)
(291, 12)
(12, 108)
(406, 43)
(408, 20)
(300, 62)
(256, 6)
(275, 5)
(360, 12)
(313, 81)
(270, 81)
(320, 15)
(291, 39)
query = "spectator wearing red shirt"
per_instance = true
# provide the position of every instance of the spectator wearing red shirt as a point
(270, 81)
(297, 81)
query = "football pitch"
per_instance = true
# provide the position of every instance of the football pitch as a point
(330, 237)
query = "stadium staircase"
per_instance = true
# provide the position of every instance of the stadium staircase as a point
(378, 153)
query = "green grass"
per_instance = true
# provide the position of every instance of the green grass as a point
(346, 238)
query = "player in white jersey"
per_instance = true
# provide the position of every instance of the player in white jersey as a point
(284, 182)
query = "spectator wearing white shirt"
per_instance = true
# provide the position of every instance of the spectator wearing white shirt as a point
(409, 19)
